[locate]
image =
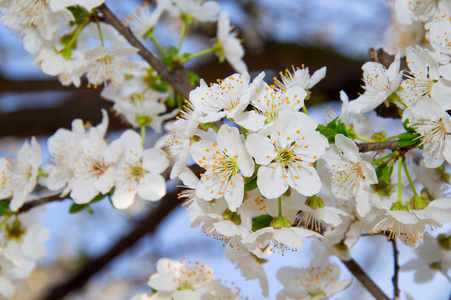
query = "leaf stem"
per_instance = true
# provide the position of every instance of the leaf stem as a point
(198, 54)
(280, 206)
(143, 135)
(410, 179)
(377, 161)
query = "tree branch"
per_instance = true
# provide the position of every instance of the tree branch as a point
(395, 278)
(366, 147)
(177, 77)
(29, 205)
(366, 281)
(148, 225)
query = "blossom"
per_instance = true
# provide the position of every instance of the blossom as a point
(287, 156)
(24, 14)
(230, 46)
(424, 80)
(24, 173)
(223, 165)
(352, 176)
(379, 84)
(320, 281)
(63, 147)
(268, 103)
(145, 20)
(93, 168)
(434, 256)
(203, 11)
(250, 266)
(138, 171)
(270, 239)
(434, 126)
(300, 77)
(106, 64)
(227, 98)
(178, 281)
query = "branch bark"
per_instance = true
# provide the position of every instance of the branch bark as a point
(366, 281)
(395, 278)
(366, 147)
(177, 77)
(148, 225)
(29, 205)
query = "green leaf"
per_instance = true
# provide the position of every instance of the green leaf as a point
(192, 77)
(79, 12)
(408, 136)
(250, 184)
(386, 173)
(406, 143)
(332, 129)
(261, 222)
(76, 208)
(4, 207)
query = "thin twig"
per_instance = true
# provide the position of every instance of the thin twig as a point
(146, 226)
(361, 276)
(395, 278)
(29, 205)
(366, 147)
(177, 77)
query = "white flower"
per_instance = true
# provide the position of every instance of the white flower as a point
(64, 146)
(108, 65)
(287, 156)
(138, 171)
(6, 189)
(178, 281)
(320, 281)
(145, 20)
(434, 256)
(202, 11)
(227, 98)
(223, 162)
(23, 14)
(352, 176)
(408, 10)
(434, 125)
(250, 266)
(438, 35)
(268, 103)
(24, 173)
(379, 84)
(400, 224)
(300, 77)
(425, 79)
(270, 239)
(93, 168)
(88, 4)
(231, 47)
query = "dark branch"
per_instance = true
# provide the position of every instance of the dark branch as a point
(29, 205)
(361, 276)
(395, 278)
(177, 77)
(366, 147)
(146, 226)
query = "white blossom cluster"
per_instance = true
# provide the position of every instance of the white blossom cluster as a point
(260, 173)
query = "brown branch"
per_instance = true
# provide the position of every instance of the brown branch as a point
(395, 278)
(366, 281)
(177, 77)
(366, 147)
(29, 205)
(148, 225)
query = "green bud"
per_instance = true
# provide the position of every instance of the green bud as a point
(419, 202)
(436, 266)
(15, 231)
(399, 206)
(444, 241)
(144, 120)
(314, 202)
(280, 222)
(232, 216)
